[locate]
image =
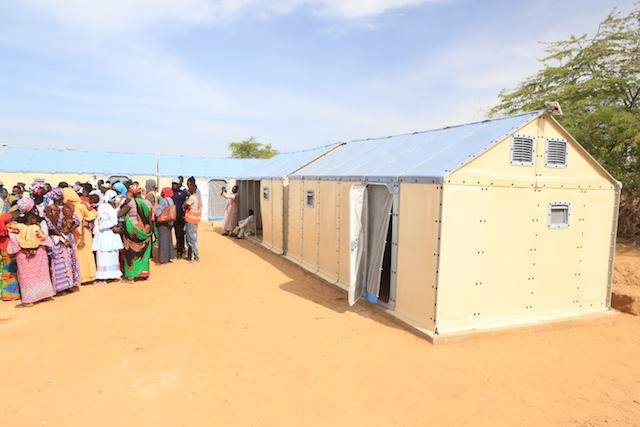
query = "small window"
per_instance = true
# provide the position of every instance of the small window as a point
(265, 193)
(522, 150)
(310, 198)
(556, 155)
(559, 214)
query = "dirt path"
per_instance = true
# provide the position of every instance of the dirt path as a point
(246, 338)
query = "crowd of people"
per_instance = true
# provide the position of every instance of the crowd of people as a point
(54, 239)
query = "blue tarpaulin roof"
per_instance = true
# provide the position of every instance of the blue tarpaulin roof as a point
(48, 160)
(430, 154)
(206, 167)
(284, 164)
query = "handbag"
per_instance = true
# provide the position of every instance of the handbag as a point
(168, 214)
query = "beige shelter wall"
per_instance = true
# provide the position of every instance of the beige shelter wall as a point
(266, 210)
(318, 237)
(493, 167)
(418, 233)
(501, 264)
(328, 205)
(310, 227)
(318, 240)
(294, 221)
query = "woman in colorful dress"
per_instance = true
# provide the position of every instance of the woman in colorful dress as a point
(136, 235)
(106, 242)
(83, 235)
(61, 221)
(164, 223)
(28, 241)
(9, 289)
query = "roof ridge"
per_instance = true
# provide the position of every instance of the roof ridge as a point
(536, 112)
(310, 149)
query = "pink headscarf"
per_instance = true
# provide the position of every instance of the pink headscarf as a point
(25, 204)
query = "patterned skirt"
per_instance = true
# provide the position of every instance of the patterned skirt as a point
(9, 279)
(62, 267)
(33, 275)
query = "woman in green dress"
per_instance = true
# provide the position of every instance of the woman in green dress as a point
(136, 235)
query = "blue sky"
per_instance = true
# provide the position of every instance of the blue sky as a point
(189, 76)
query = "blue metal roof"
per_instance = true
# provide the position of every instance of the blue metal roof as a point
(284, 164)
(430, 154)
(48, 160)
(206, 167)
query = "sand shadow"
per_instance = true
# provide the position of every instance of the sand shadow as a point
(624, 303)
(313, 288)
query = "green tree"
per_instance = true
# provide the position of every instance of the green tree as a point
(251, 149)
(596, 79)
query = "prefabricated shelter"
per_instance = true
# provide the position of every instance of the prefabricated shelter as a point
(211, 175)
(484, 225)
(25, 164)
(264, 191)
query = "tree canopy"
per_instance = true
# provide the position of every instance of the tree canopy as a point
(251, 149)
(596, 79)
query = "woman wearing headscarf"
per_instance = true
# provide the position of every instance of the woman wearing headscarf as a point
(9, 289)
(27, 240)
(83, 235)
(231, 210)
(136, 234)
(165, 214)
(38, 192)
(151, 188)
(106, 242)
(61, 221)
(120, 188)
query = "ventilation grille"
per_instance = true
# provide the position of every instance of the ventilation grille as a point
(559, 214)
(556, 153)
(522, 150)
(310, 198)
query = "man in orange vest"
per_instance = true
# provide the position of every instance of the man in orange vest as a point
(192, 213)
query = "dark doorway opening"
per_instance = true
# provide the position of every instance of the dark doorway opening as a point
(385, 273)
(250, 201)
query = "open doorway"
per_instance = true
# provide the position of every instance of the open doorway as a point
(385, 274)
(371, 231)
(250, 194)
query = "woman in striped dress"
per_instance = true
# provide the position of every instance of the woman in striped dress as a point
(60, 218)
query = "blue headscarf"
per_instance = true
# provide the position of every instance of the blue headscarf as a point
(120, 188)
(4, 205)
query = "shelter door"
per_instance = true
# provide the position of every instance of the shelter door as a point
(217, 203)
(357, 242)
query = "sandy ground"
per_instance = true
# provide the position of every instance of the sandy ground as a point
(246, 338)
(626, 289)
